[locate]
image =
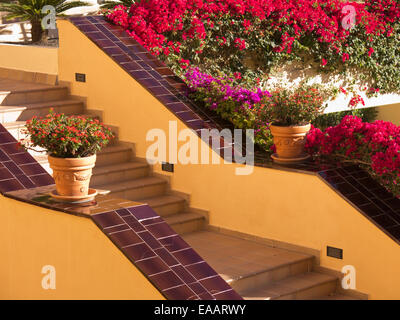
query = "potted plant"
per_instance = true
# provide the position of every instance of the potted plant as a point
(290, 113)
(71, 143)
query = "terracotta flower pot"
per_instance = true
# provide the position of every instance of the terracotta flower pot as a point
(289, 142)
(72, 175)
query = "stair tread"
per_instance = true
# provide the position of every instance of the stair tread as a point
(235, 258)
(98, 170)
(288, 285)
(46, 104)
(183, 217)
(21, 123)
(132, 184)
(9, 85)
(14, 124)
(114, 148)
(41, 158)
(155, 202)
(11, 108)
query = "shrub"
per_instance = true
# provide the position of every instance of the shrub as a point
(67, 136)
(375, 146)
(248, 38)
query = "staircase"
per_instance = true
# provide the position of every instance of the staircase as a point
(254, 270)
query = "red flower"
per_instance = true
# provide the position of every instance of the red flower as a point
(370, 51)
(184, 63)
(237, 75)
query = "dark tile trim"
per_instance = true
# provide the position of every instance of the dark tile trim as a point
(367, 196)
(161, 254)
(18, 169)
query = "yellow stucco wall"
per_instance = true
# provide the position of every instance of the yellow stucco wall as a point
(29, 58)
(390, 113)
(87, 264)
(289, 207)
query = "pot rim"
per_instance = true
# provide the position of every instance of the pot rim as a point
(291, 126)
(72, 164)
(72, 159)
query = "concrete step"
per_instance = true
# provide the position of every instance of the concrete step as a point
(29, 110)
(22, 96)
(165, 205)
(137, 189)
(119, 172)
(186, 222)
(114, 154)
(10, 113)
(306, 286)
(15, 129)
(247, 265)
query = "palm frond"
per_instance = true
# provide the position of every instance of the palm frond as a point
(111, 4)
(69, 5)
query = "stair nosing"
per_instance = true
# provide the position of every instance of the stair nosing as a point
(328, 279)
(177, 200)
(249, 275)
(196, 216)
(45, 104)
(17, 124)
(112, 168)
(13, 108)
(114, 149)
(33, 89)
(123, 188)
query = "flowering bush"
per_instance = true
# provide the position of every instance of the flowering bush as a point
(294, 107)
(242, 107)
(376, 146)
(66, 136)
(247, 38)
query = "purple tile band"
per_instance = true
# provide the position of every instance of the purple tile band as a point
(174, 268)
(18, 169)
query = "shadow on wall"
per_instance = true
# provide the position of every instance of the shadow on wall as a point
(15, 32)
